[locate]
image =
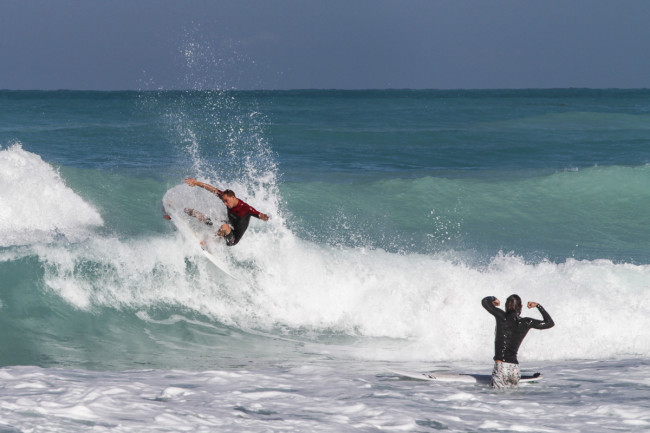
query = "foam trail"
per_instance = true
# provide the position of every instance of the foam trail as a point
(434, 302)
(36, 205)
(399, 306)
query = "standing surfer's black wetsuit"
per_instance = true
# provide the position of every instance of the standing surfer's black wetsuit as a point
(511, 329)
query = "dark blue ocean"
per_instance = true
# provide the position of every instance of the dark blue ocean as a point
(393, 212)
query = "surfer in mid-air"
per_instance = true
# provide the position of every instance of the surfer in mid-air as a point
(510, 332)
(239, 213)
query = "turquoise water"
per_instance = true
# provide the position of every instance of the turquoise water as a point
(440, 182)
(393, 213)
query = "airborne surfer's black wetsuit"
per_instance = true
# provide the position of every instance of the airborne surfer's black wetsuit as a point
(238, 217)
(511, 329)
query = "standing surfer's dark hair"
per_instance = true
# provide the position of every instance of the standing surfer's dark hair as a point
(513, 303)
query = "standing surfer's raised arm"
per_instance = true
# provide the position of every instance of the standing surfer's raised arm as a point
(193, 182)
(489, 302)
(546, 322)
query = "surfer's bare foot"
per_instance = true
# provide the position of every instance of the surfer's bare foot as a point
(198, 215)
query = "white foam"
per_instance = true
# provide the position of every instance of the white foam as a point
(330, 397)
(434, 303)
(403, 306)
(36, 205)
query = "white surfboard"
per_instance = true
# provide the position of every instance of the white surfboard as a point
(461, 377)
(175, 201)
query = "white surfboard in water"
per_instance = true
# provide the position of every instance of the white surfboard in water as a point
(461, 377)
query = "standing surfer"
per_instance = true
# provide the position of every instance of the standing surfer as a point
(239, 213)
(510, 332)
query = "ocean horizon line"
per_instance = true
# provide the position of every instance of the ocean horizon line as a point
(318, 89)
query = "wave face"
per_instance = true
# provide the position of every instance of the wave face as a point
(587, 214)
(393, 215)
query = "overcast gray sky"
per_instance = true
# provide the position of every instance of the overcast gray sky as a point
(344, 44)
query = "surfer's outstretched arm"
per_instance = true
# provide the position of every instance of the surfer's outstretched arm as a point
(193, 182)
